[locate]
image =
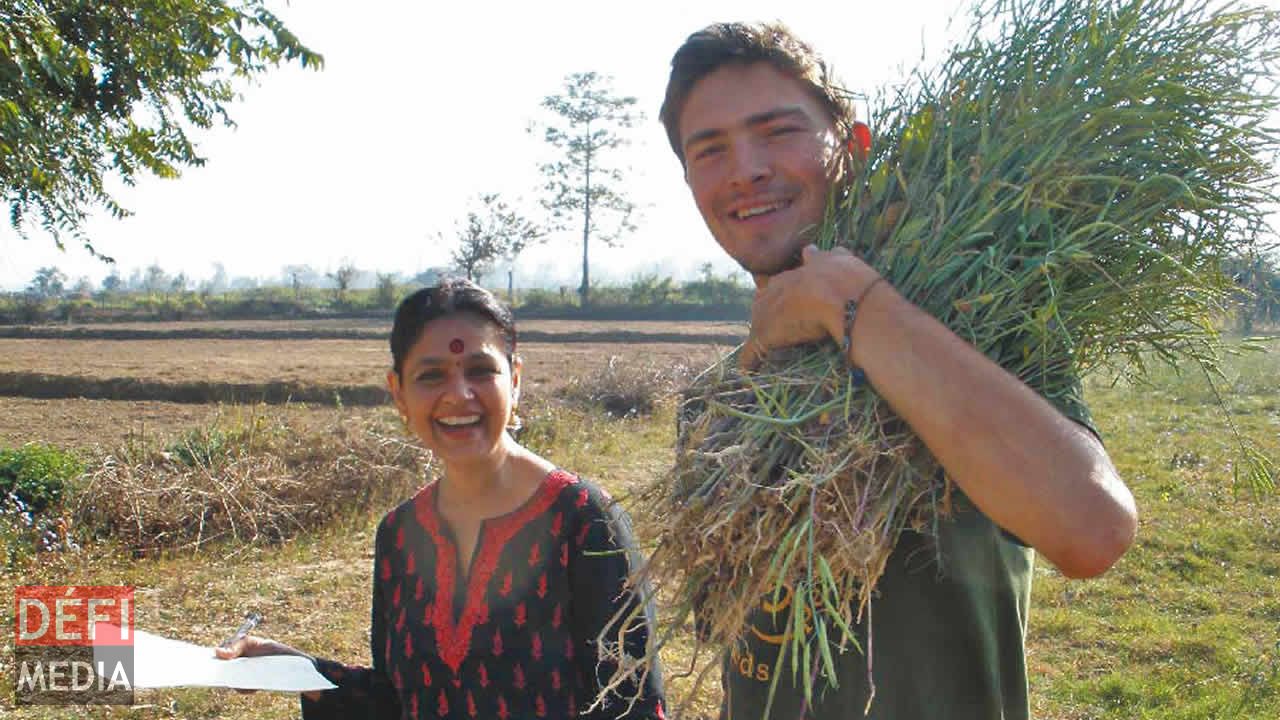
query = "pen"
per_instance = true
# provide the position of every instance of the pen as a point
(251, 620)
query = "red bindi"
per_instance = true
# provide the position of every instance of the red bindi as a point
(456, 347)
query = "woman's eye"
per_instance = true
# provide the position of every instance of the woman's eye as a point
(783, 130)
(482, 371)
(429, 377)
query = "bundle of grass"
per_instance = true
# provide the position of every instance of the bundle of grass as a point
(257, 479)
(1061, 193)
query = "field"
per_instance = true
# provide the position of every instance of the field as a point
(1187, 625)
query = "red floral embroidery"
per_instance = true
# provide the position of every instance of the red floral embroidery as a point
(400, 621)
(556, 523)
(506, 586)
(521, 615)
(537, 645)
(471, 704)
(582, 498)
(454, 641)
(410, 564)
(542, 585)
(555, 617)
(395, 596)
(417, 591)
(555, 679)
(497, 642)
(564, 554)
(484, 676)
(502, 708)
(573, 706)
(540, 707)
(442, 705)
(400, 538)
(426, 675)
(535, 555)
(568, 649)
(384, 570)
(395, 679)
(408, 645)
(413, 705)
(518, 677)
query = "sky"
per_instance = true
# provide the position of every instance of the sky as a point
(422, 107)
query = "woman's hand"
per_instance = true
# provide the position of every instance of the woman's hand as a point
(251, 646)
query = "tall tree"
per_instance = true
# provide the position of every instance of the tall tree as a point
(49, 282)
(492, 231)
(91, 89)
(589, 122)
(342, 279)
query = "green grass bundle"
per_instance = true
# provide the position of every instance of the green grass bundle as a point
(1069, 184)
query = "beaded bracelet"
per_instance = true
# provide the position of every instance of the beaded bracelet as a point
(851, 314)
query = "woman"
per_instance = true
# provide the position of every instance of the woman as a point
(492, 584)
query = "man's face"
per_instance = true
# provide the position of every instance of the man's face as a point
(760, 157)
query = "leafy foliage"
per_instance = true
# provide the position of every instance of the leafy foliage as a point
(90, 89)
(588, 124)
(37, 475)
(49, 282)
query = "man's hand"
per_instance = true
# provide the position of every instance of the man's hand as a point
(805, 304)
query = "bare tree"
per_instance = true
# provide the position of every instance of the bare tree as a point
(297, 276)
(493, 231)
(588, 125)
(342, 279)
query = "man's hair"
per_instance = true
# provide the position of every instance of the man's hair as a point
(721, 44)
(450, 297)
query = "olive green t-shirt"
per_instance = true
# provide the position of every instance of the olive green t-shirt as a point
(948, 621)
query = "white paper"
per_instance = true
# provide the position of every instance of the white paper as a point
(160, 662)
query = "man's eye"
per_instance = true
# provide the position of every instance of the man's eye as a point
(708, 151)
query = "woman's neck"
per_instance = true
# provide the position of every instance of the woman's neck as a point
(466, 483)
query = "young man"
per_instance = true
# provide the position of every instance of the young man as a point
(763, 136)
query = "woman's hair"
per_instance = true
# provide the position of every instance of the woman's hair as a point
(451, 296)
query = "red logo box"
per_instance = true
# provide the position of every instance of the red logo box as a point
(73, 644)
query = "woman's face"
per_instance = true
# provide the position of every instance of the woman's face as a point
(456, 389)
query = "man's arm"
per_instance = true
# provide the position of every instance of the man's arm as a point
(1034, 472)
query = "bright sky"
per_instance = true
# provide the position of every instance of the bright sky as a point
(421, 107)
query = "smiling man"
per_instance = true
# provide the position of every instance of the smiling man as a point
(764, 137)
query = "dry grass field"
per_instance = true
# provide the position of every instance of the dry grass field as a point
(332, 362)
(1185, 627)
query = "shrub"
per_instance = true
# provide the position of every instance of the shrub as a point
(261, 479)
(34, 481)
(37, 475)
(626, 390)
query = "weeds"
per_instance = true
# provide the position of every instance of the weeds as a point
(627, 390)
(259, 479)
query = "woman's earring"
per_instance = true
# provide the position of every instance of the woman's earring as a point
(514, 423)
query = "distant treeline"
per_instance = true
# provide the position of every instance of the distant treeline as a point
(48, 300)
